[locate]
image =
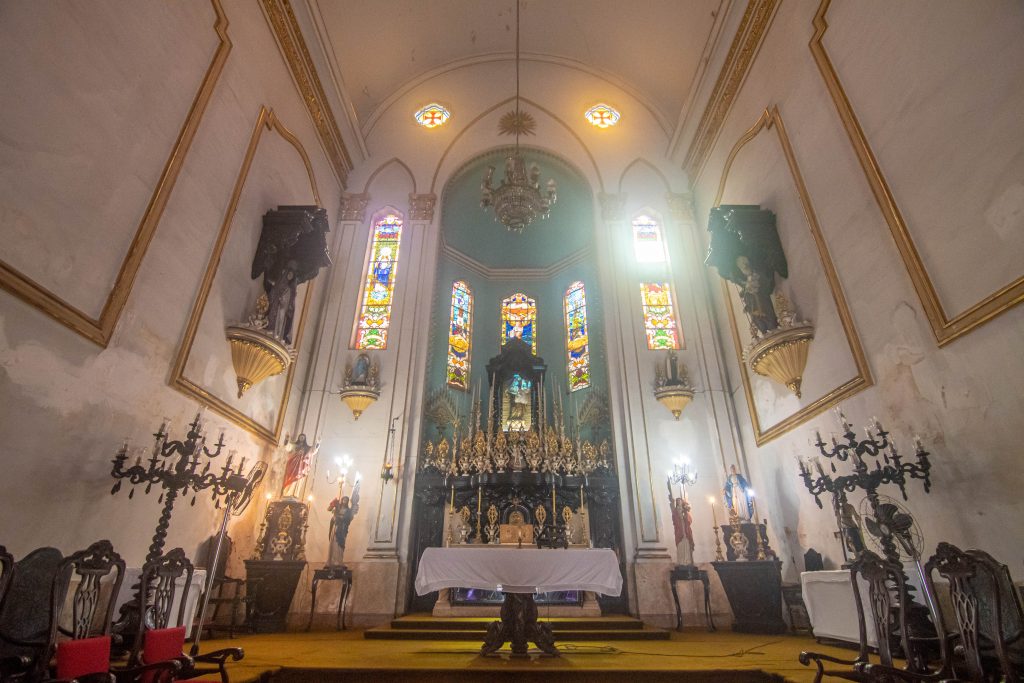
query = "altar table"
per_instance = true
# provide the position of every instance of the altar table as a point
(519, 573)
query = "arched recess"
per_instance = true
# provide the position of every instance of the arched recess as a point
(639, 164)
(392, 167)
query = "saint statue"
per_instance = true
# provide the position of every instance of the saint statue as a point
(745, 249)
(300, 455)
(343, 509)
(682, 524)
(292, 250)
(736, 494)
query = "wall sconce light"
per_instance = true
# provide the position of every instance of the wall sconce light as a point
(672, 386)
(387, 470)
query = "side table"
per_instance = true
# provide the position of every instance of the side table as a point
(691, 572)
(343, 574)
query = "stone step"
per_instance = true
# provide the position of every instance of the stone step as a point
(616, 623)
(388, 633)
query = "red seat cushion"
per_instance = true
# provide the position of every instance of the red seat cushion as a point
(84, 656)
(161, 644)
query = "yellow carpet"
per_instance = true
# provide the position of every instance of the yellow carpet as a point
(309, 656)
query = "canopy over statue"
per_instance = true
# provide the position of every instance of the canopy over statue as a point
(292, 250)
(745, 249)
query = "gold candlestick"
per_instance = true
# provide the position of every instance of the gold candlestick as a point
(718, 543)
(479, 502)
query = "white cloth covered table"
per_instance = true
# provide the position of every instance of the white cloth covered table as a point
(519, 570)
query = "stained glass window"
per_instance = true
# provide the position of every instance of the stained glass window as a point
(659, 319)
(576, 339)
(375, 314)
(647, 244)
(602, 116)
(459, 335)
(432, 115)
(519, 319)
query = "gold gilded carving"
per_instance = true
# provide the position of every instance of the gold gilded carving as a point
(771, 118)
(745, 45)
(99, 330)
(613, 206)
(353, 207)
(946, 328)
(282, 22)
(265, 120)
(255, 356)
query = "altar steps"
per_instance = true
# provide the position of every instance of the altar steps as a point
(422, 627)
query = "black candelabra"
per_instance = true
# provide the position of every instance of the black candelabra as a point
(176, 467)
(889, 468)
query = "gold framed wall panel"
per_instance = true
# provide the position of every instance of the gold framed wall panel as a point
(292, 45)
(946, 328)
(99, 330)
(771, 118)
(265, 120)
(744, 48)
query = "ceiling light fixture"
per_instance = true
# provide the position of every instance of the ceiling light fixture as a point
(518, 201)
(602, 116)
(432, 115)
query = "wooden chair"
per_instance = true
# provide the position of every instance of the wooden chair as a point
(163, 637)
(989, 616)
(24, 612)
(224, 590)
(84, 655)
(886, 590)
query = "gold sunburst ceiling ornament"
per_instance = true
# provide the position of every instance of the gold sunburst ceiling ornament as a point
(517, 123)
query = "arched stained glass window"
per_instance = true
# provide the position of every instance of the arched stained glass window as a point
(375, 313)
(659, 318)
(459, 335)
(577, 342)
(647, 242)
(519, 319)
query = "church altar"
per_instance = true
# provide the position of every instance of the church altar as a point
(519, 573)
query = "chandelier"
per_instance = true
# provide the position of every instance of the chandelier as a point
(518, 200)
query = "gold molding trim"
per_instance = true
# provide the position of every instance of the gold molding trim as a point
(265, 120)
(99, 330)
(771, 118)
(744, 48)
(293, 48)
(945, 328)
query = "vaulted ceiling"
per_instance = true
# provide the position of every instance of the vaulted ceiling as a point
(652, 49)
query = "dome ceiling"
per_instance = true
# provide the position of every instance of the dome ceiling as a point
(652, 48)
(472, 230)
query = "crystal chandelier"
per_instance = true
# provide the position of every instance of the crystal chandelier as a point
(518, 200)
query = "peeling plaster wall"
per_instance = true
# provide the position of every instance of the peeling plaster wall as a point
(68, 404)
(964, 399)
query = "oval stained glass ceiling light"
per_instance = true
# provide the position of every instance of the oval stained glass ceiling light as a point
(602, 116)
(432, 115)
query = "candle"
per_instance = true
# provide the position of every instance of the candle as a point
(479, 499)
(714, 517)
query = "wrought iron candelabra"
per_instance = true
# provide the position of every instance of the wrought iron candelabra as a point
(177, 468)
(889, 468)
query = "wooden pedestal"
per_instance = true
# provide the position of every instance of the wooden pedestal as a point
(754, 589)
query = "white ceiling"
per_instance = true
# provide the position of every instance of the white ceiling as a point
(651, 47)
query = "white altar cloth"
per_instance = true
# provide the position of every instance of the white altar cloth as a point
(519, 570)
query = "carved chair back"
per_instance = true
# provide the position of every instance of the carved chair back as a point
(986, 604)
(6, 569)
(886, 590)
(24, 614)
(90, 566)
(813, 561)
(157, 589)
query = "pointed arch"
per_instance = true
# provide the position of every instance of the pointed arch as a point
(392, 161)
(638, 163)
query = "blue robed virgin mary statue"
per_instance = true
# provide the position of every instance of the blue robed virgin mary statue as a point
(737, 485)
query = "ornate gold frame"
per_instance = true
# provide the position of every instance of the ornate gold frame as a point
(266, 120)
(944, 327)
(99, 330)
(744, 48)
(771, 118)
(285, 27)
